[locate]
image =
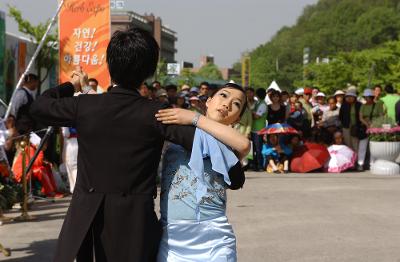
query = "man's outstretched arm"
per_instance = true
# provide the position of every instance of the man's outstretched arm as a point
(56, 106)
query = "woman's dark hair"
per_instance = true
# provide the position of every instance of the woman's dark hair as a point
(275, 93)
(132, 56)
(233, 86)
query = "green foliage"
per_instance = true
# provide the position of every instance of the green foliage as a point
(210, 71)
(161, 71)
(48, 55)
(187, 77)
(329, 28)
(379, 65)
(237, 77)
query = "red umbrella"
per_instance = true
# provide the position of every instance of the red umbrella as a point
(309, 157)
(278, 129)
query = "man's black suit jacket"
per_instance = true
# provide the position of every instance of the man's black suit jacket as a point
(120, 144)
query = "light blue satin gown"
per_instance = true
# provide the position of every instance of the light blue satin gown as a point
(193, 231)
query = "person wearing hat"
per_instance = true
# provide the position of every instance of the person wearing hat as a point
(339, 95)
(162, 96)
(181, 101)
(349, 116)
(330, 122)
(194, 91)
(299, 92)
(320, 103)
(185, 87)
(315, 92)
(195, 104)
(369, 112)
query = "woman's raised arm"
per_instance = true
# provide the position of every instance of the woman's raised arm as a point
(226, 134)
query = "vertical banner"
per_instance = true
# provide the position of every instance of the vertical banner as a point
(84, 31)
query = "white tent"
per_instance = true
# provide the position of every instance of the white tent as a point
(275, 86)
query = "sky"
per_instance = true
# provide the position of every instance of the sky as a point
(222, 28)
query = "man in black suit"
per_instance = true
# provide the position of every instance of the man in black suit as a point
(120, 142)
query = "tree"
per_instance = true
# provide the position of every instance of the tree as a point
(47, 56)
(379, 65)
(161, 71)
(328, 28)
(210, 71)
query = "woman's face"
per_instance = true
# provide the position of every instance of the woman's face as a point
(293, 99)
(180, 101)
(350, 99)
(321, 100)
(273, 139)
(295, 141)
(369, 99)
(275, 98)
(332, 104)
(225, 106)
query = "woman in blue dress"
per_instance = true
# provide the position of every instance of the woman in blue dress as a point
(194, 180)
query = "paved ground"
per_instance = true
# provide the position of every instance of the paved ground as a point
(314, 217)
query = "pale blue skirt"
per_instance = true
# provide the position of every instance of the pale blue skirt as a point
(190, 241)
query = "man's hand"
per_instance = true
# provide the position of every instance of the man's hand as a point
(79, 79)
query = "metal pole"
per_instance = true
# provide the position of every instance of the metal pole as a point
(33, 58)
(24, 215)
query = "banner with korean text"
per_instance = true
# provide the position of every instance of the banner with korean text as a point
(84, 31)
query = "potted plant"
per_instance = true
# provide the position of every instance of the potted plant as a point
(384, 146)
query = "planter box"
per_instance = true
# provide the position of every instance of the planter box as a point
(384, 150)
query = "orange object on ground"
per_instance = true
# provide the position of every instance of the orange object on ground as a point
(40, 170)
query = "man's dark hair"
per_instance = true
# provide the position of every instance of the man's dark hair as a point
(93, 80)
(378, 86)
(261, 93)
(171, 87)
(204, 84)
(389, 89)
(132, 56)
(30, 77)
